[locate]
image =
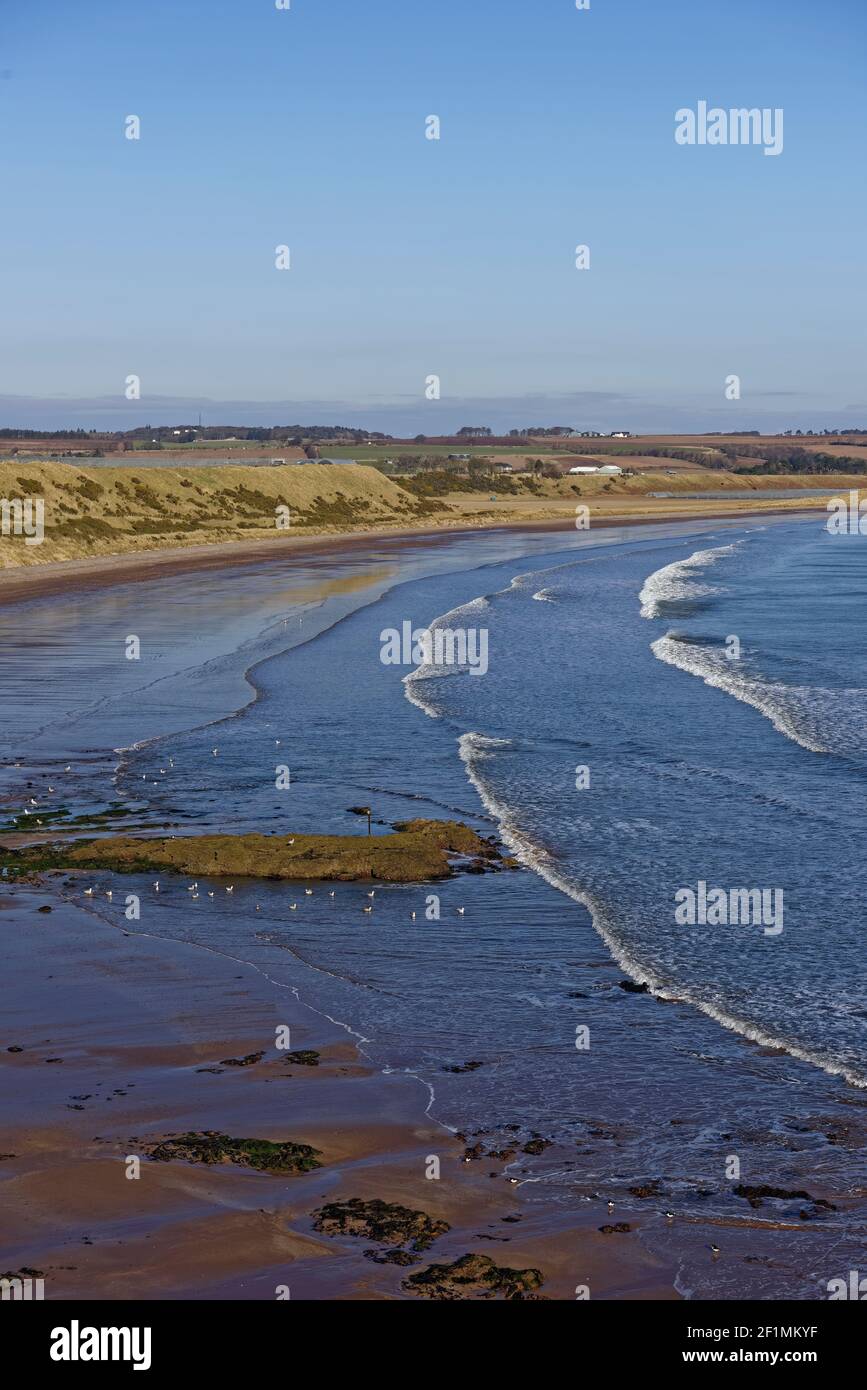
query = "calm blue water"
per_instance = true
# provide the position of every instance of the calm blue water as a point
(608, 654)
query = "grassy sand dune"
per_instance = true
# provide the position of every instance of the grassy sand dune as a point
(111, 511)
(94, 514)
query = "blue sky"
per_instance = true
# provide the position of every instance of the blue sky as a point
(412, 257)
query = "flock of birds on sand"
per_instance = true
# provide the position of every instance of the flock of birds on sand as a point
(193, 890)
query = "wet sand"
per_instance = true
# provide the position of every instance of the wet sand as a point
(21, 583)
(119, 1032)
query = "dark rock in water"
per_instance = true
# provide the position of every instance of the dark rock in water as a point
(536, 1146)
(391, 1257)
(621, 1228)
(304, 1057)
(577, 994)
(15, 1049)
(386, 1222)
(475, 1276)
(632, 987)
(44, 909)
(814, 1212)
(249, 1061)
(646, 1189)
(756, 1195)
(473, 1152)
(464, 1066)
(502, 1155)
(262, 1154)
(215, 1071)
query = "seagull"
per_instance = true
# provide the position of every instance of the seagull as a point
(33, 801)
(290, 842)
(195, 895)
(309, 892)
(610, 1206)
(412, 914)
(88, 892)
(331, 894)
(109, 893)
(292, 907)
(513, 1179)
(210, 894)
(157, 886)
(231, 888)
(66, 769)
(714, 1250)
(669, 1216)
(367, 909)
(258, 908)
(215, 751)
(372, 894)
(461, 911)
(51, 789)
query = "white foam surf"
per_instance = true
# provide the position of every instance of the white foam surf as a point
(475, 749)
(413, 682)
(677, 582)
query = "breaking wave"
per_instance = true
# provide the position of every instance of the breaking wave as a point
(677, 582)
(475, 749)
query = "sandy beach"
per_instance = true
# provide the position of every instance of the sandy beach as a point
(121, 1037)
(19, 583)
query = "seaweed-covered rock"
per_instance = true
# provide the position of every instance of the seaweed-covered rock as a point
(387, 1222)
(646, 1189)
(755, 1195)
(418, 850)
(304, 1057)
(620, 1228)
(391, 1257)
(210, 1147)
(536, 1146)
(473, 1152)
(249, 1061)
(474, 1276)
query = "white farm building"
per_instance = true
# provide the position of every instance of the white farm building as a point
(611, 469)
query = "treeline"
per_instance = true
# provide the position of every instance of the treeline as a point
(47, 434)
(780, 460)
